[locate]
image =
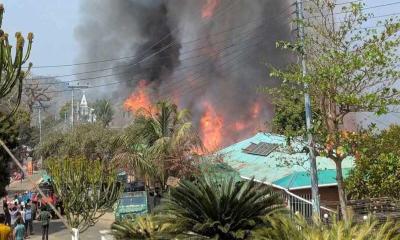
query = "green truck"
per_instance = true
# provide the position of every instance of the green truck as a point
(131, 204)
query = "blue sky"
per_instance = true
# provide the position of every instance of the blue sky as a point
(53, 23)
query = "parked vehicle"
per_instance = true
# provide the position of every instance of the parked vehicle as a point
(135, 186)
(131, 204)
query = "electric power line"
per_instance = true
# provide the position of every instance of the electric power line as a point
(172, 85)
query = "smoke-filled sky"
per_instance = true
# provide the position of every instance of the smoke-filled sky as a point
(208, 56)
(64, 31)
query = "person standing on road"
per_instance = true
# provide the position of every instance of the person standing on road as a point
(28, 220)
(5, 231)
(14, 214)
(22, 213)
(34, 209)
(44, 217)
(19, 230)
(7, 214)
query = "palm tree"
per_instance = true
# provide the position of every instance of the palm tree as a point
(103, 111)
(159, 140)
(219, 209)
(284, 227)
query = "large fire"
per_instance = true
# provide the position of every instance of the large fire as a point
(216, 129)
(209, 8)
(211, 125)
(139, 99)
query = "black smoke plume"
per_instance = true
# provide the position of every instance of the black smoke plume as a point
(221, 60)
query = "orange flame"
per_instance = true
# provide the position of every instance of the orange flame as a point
(211, 128)
(239, 126)
(139, 99)
(209, 8)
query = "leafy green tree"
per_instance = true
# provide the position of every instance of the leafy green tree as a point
(377, 167)
(87, 188)
(219, 209)
(11, 72)
(9, 134)
(27, 134)
(104, 111)
(93, 141)
(15, 130)
(284, 227)
(350, 69)
(166, 137)
(289, 118)
(65, 111)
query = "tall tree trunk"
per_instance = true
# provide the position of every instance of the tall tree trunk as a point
(342, 195)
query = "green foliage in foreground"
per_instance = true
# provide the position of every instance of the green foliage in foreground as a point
(211, 209)
(144, 227)
(9, 134)
(88, 188)
(208, 208)
(219, 209)
(377, 168)
(284, 227)
(93, 141)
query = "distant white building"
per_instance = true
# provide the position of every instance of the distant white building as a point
(86, 114)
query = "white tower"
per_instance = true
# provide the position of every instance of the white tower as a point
(83, 107)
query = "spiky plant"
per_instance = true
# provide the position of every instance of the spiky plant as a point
(284, 227)
(143, 227)
(219, 209)
(11, 67)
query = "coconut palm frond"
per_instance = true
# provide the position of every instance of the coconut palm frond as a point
(168, 135)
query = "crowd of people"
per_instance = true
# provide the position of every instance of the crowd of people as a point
(17, 221)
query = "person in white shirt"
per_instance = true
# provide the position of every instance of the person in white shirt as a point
(22, 212)
(14, 215)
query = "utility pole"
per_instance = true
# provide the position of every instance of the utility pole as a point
(307, 104)
(72, 87)
(39, 108)
(40, 125)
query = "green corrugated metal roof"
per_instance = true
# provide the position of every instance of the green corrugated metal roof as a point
(272, 168)
(299, 180)
(220, 170)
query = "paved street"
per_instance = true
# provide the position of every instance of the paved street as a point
(57, 230)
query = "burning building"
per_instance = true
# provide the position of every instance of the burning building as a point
(209, 56)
